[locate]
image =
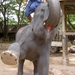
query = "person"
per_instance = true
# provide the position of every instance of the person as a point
(31, 7)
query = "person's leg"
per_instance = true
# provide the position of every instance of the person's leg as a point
(28, 11)
(29, 18)
(34, 5)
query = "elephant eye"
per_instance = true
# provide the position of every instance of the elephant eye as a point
(42, 9)
(42, 13)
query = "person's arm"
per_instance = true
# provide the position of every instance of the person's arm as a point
(26, 0)
(44, 0)
(25, 3)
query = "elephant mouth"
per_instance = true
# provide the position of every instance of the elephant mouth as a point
(48, 27)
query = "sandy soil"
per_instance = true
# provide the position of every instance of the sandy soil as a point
(55, 68)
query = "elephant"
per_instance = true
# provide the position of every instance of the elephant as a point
(33, 42)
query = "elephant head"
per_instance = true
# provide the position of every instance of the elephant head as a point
(48, 13)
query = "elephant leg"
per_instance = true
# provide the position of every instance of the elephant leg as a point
(35, 63)
(43, 65)
(20, 67)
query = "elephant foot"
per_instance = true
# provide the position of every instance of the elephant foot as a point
(9, 58)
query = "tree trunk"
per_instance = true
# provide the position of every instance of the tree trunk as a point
(5, 26)
(18, 17)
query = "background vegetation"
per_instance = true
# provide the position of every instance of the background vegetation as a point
(11, 13)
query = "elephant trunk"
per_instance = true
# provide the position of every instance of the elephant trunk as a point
(54, 12)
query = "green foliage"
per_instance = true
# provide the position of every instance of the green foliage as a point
(12, 8)
(72, 17)
(70, 21)
(12, 22)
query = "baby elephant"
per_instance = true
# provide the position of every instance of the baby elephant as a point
(33, 41)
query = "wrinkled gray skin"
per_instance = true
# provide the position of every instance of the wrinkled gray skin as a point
(34, 40)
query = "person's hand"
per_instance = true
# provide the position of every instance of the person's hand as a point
(25, 3)
(44, 1)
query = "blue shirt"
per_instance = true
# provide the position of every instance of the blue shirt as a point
(31, 6)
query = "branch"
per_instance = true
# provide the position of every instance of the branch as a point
(70, 23)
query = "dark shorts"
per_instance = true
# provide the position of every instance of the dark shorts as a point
(31, 7)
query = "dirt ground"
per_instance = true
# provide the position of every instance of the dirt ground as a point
(55, 68)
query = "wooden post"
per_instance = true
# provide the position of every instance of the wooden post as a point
(64, 38)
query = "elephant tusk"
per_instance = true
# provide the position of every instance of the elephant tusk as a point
(44, 23)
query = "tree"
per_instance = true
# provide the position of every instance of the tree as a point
(3, 8)
(20, 13)
(8, 8)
